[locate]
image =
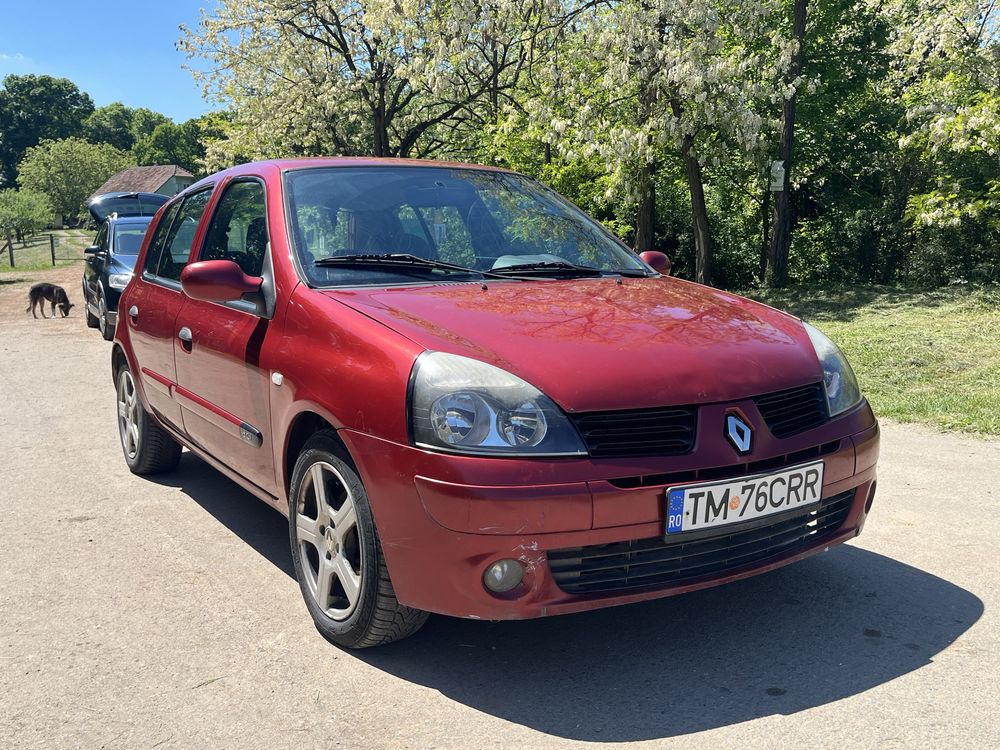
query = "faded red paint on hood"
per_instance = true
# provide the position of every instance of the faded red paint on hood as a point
(595, 344)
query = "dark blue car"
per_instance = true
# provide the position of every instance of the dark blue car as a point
(123, 218)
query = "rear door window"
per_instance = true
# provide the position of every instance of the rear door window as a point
(176, 249)
(159, 238)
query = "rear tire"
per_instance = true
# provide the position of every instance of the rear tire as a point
(147, 447)
(337, 553)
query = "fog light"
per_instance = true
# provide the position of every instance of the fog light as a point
(503, 575)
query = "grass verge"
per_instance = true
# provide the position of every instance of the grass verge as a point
(920, 356)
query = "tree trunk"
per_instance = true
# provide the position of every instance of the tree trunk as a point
(782, 239)
(380, 146)
(645, 221)
(765, 233)
(380, 124)
(699, 214)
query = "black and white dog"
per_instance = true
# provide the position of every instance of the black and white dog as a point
(54, 295)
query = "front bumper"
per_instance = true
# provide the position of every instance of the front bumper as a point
(444, 519)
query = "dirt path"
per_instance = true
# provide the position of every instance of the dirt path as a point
(137, 613)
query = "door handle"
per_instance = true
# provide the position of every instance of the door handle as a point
(133, 312)
(185, 335)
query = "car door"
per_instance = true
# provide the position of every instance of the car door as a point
(156, 298)
(93, 266)
(223, 387)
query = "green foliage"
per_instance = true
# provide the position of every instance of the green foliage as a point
(172, 144)
(68, 171)
(33, 108)
(111, 124)
(23, 212)
(144, 122)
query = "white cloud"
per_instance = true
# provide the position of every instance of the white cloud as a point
(16, 57)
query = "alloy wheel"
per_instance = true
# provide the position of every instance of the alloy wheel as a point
(128, 414)
(102, 314)
(327, 533)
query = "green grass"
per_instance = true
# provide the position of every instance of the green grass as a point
(37, 256)
(920, 356)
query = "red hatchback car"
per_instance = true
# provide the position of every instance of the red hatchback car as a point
(469, 398)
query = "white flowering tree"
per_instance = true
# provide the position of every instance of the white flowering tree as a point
(948, 69)
(692, 80)
(379, 77)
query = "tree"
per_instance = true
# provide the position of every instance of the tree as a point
(23, 212)
(173, 144)
(950, 82)
(68, 171)
(777, 275)
(686, 80)
(33, 108)
(111, 124)
(144, 122)
(386, 78)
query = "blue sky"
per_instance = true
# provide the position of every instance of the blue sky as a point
(121, 51)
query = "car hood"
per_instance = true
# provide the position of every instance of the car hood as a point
(122, 263)
(595, 344)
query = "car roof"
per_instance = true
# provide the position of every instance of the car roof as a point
(311, 162)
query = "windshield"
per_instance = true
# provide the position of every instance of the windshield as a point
(128, 238)
(477, 219)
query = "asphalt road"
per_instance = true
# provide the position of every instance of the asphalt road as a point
(138, 613)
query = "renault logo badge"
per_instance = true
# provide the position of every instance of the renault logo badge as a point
(738, 433)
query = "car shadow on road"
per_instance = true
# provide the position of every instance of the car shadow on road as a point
(257, 524)
(815, 632)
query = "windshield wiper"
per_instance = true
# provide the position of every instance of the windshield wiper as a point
(548, 268)
(406, 260)
(393, 259)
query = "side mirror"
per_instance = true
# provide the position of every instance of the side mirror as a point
(217, 281)
(657, 260)
(92, 250)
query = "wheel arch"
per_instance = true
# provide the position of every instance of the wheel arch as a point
(303, 426)
(117, 359)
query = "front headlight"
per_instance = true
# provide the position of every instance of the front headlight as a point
(463, 405)
(119, 280)
(842, 390)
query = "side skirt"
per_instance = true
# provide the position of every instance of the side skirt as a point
(246, 484)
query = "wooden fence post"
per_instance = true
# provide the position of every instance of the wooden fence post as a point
(10, 248)
(52, 247)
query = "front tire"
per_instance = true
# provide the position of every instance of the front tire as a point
(147, 447)
(92, 321)
(107, 329)
(337, 553)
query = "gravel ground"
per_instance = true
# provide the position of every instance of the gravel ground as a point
(138, 613)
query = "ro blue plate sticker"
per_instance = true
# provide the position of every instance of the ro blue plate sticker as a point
(675, 511)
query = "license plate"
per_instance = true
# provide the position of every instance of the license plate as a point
(703, 506)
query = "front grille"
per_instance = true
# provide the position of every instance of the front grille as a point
(726, 472)
(657, 562)
(789, 412)
(638, 432)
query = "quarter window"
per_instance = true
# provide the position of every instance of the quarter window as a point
(238, 231)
